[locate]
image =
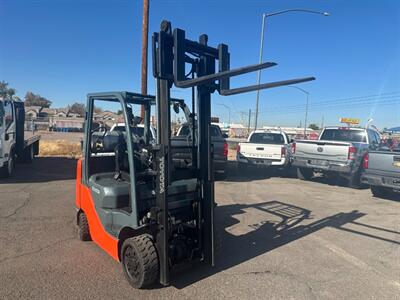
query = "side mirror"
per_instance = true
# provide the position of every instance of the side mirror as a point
(7, 136)
(291, 141)
(225, 136)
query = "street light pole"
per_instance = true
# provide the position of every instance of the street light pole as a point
(229, 112)
(306, 114)
(264, 16)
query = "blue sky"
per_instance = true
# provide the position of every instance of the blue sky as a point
(64, 49)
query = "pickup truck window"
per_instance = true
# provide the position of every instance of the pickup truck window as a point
(267, 138)
(344, 135)
(139, 131)
(215, 131)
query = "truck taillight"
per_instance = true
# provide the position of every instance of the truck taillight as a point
(366, 161)
(352, 152)
(283, 151)
(225, 149)
(238, 148)
(293, 148)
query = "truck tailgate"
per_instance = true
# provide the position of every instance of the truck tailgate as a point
(324, 150)
(265, 151)
(389, 162)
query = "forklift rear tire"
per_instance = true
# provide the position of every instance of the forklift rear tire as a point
(83, 228)
(140, 261)
(304, 173)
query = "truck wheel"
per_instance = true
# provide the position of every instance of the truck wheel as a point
(304, 173)
(29, 154)
(8, 168)
(139, 261)
(83, 228)
(378, 191)
(355, 180)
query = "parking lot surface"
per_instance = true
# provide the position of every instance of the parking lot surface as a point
(282, 238)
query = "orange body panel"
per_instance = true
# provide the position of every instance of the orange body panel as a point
(85, 202)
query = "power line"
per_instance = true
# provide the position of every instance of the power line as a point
(359, 99)
(347, 107)
(335, 104)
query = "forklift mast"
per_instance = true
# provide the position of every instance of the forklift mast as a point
(172, 53)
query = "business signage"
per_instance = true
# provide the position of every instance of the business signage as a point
(350, 121)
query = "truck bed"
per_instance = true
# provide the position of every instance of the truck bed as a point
(323, 150)
(30, 138)
(264, 151)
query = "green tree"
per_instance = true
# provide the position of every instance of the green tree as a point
(32, 99)
(313, 126)
(6, 91)
(78, 108)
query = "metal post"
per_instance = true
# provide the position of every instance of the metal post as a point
(248, 126)
(229, 111)
(305, 121)
(205, 153)
(145, 34)
(262, 44)
(163, 176)
(259, 72)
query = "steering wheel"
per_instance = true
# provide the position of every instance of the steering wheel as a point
(94, 142)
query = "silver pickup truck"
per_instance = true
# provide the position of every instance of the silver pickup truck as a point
(339, 151)
(382, 171)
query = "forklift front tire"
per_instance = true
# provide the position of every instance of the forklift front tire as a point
(83, 228)
(140, 261)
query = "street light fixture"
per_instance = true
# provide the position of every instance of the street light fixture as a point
(262, 43)
(306, 115)
(229, 112)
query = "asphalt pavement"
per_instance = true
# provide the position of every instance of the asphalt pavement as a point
(282, 238)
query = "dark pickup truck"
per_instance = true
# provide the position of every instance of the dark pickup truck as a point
(182, 156)
(382, 171)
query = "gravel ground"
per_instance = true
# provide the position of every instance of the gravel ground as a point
(282, 239)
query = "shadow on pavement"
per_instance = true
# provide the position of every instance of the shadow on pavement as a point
(234, 174)
(43, 169)
(267, 235)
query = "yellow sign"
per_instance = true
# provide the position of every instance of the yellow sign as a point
(350, 121)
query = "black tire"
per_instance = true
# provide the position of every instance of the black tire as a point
(140, 261)
(355, 180)
(8, 168)
(304, 173)
(83, 228)
(29, 154)
(379, 191)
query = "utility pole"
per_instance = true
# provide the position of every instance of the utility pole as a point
(145, 42)
(248, 124)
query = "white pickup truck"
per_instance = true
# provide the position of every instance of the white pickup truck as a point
(265, 149)
(339, 151)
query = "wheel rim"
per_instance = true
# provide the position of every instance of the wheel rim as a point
(131, 263)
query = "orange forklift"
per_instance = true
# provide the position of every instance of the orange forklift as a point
(132, 200)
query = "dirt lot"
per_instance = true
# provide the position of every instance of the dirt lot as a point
(282, 239)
